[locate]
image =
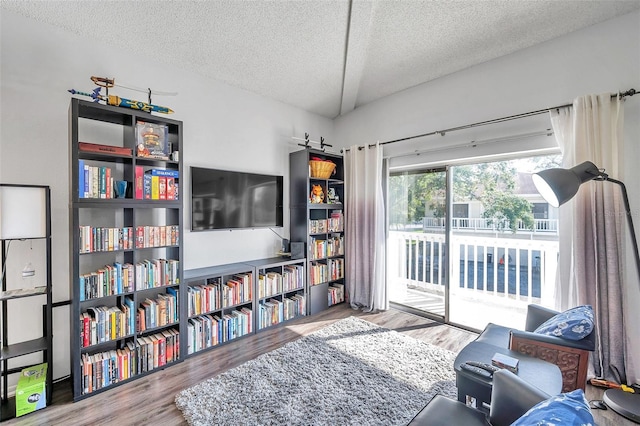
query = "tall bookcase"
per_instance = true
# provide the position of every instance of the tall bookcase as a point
(320, 226)
(126, 252)
(14, 349)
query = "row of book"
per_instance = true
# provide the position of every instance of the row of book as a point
(95, 238)
(237, 290)
(210, 330)
(335, 294)
(107, 281)
(333, 224)
(104, 323)
(95, 181)
(106, 368)
(158, 312)
(157, 236)
(122, 278)
(157, 273)
(274, 311)
(322, 272)
(323, 248)
(156, 184)
(271, 283)
(204, 298)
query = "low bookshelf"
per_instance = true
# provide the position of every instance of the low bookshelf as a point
(280, 290)
(228, 302)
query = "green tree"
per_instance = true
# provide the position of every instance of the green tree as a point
(503, 208)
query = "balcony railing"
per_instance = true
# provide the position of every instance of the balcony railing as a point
(547, 226)
(514, 270)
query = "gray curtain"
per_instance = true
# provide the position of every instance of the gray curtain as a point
(592, 226)
(365, 233)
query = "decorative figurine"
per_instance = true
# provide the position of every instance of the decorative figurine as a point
(317, 194)
(332, 197)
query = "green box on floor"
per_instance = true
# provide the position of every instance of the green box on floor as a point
(31, 393)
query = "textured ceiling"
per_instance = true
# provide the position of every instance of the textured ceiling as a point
(324, 56)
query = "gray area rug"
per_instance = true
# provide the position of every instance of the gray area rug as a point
(352, 372)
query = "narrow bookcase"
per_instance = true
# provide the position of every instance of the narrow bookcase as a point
(126, 246)
(320, 226)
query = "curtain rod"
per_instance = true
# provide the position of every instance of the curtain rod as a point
(622, 95)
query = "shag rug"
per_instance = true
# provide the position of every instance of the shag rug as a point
(352, 372)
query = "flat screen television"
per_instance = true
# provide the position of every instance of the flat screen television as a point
(225, 199)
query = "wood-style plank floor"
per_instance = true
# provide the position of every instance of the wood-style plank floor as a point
(150, 400)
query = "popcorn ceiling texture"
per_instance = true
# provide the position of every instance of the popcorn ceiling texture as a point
(302, 52)
(352, 372)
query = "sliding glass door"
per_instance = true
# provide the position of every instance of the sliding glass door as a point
(417, 262)
(472, 243)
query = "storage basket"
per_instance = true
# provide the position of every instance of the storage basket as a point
(321, 169)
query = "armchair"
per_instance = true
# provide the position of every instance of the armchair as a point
(571, 356)
(511, 397)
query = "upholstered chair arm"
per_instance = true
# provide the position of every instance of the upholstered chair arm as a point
(511, 397)
(571, 356)
(587, 344)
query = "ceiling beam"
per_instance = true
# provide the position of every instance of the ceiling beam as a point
(355, 54)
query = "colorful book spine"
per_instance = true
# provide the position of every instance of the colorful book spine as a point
(139, 182)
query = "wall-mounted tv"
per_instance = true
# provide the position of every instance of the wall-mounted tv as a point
(225, 199)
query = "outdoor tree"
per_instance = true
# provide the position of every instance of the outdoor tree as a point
(413, 195)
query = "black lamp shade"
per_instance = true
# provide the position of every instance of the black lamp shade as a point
(557, 186)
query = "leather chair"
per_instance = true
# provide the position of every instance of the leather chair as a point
(571, 356)
(511, 397)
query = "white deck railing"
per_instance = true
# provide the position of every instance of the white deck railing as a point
(521, 270)
(486, 225)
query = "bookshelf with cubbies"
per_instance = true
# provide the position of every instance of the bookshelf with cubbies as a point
(320, 225)
(126, 249)
(220, 305)
(280, 291)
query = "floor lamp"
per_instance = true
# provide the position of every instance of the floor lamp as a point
(557, 186)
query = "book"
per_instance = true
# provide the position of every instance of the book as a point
(171, 188)
(505, 361)
(146, 187)
(107, 149)
(138, 183)
(155, 187)
(163, 172)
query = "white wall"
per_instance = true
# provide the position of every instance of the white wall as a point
(224, 127)
(599, 59)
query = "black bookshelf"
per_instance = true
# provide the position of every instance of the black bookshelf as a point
(324, 246)
(126, 253)
(215, 320)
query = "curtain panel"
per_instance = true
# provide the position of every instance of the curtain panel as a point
(592, 226)
(365, 221)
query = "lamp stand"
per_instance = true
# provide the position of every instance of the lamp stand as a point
(625, 403)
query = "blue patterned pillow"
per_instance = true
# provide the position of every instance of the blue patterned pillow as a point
(573, 324)
(565, 409)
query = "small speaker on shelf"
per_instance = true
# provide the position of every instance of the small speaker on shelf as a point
(285, 245)
(297, 250)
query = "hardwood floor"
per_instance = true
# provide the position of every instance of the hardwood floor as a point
(149, 400)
